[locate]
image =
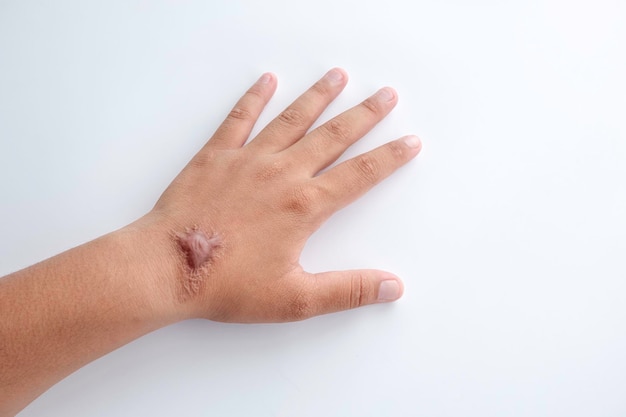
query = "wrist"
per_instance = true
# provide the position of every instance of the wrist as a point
(153, 267)
(82, 304)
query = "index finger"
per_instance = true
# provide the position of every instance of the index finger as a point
(351, 179)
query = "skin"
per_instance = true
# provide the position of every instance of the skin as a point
(255, 203)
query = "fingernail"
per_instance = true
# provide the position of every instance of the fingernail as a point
(334, 76)
(412, 141)
(385, 94)
(389, 290)
(265, 78)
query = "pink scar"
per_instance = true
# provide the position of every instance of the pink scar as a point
(197, 247)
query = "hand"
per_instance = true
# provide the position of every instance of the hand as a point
(239, 214)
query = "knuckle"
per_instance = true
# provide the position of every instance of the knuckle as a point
(203, 159)
(256, 93)
(371, 106)
(397, 150)
(292, 117)
(360, 290)
(240, 113)
(337, 130)
(320, 89)
(301, 201)
(367, 168)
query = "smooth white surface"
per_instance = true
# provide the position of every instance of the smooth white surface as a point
(509, 229)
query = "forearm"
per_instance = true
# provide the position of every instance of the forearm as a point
(63, 313)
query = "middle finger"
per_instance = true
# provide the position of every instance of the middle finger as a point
(293, 123)
(324, 145)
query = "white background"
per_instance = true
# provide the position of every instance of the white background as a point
(509, 229)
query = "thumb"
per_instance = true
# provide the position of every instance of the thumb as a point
(343, 290)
